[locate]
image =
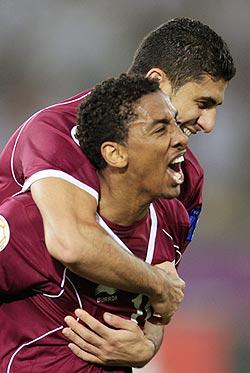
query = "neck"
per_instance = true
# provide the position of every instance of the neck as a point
(121, 201)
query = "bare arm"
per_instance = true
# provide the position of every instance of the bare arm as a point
(124, 344)
(74, 237)
(155, 334)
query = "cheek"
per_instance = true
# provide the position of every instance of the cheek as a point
(186, 110)
(189, 113)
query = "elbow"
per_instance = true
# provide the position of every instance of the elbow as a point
(66, 249)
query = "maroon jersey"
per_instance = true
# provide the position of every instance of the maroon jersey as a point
(191, 190)
(37, 292)
(45, 146)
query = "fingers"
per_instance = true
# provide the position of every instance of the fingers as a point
(84, 355)
(93, 323)
(119, 322)
(182, 284)
(167, 266)
(81, 332)
(81, 342)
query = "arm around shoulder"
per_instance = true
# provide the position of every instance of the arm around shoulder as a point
(74, 238)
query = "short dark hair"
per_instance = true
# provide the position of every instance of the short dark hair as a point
(107, 111)
(184, 49)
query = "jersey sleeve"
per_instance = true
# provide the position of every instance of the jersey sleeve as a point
(46, 148)
(174, 223)
(191, 191)
(23, 260)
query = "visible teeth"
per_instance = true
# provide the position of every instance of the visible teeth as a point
(177, 178)
(186, 131)
(178, 159)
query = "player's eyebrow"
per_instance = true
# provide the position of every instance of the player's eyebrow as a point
(162, 120)
(209, 100)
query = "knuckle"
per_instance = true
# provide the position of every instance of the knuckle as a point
(107, 349)
(78, 353)
(181, 296)
(104, 358)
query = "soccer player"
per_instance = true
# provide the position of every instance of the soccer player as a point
(128, 131)
(193, 66)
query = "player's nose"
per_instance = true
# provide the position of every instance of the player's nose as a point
(206, 121)
(179, 139)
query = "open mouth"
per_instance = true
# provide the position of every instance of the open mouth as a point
(175, 171)
(187, 132)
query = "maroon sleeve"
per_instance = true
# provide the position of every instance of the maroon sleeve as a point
(174, 222)
(191, 191)
(24, 261)
(46, 143)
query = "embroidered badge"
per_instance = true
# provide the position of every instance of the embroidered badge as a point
(4, 233)
(193, 220)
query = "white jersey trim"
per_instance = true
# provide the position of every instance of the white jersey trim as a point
(61, 286)
(112, 234)
(29, 343)
(28, 121)
(61, 175)
(171, 238)
(152, 236)
(151, 243)
(50, 331)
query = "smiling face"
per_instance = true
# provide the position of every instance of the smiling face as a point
(155, 148)
(197, 103)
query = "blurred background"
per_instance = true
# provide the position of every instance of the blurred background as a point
(51, 49)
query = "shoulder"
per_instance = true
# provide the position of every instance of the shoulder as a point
(191, 189)
(19, 216)
(16, 208)
(172, 211)
(59, 115)
(173, 220)
(192, 165)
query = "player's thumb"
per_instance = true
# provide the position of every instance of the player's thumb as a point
(167, 266)
(119, 322)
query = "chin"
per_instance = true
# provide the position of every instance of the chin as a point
(173, 192)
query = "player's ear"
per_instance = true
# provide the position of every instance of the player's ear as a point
(160, 76)
(115, 154)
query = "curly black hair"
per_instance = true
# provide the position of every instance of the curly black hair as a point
(107, 111)
(184, 49)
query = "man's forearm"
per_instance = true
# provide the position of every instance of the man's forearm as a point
(74, 238)
(100, 259)
(155, 334)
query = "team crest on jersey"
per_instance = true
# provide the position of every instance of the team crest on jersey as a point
(108, 294)
(4, 233)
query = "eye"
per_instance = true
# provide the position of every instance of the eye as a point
(206, 105)
(160, 129)
(203, 105)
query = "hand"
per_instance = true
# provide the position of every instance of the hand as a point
(126, 345)
(166, 304)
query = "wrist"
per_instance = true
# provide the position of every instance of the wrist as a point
(156, 285)
(153, 347)
(147, 353)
